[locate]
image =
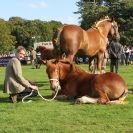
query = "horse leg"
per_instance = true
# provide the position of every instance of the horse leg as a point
(60, 96)
(91, 65)
(104, 65)
(100, 62)
(103, 98)
(86, 99)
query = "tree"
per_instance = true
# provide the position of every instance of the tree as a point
(29, 31)
(7, 41)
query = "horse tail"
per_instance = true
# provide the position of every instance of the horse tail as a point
(120, 99)
(124, 95)
(56, 41)
(56, 38)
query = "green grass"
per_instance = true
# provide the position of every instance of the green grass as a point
(63, 116)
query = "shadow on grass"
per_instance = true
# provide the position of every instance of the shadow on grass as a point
(1, 87)
(42, 83)
(5, 100)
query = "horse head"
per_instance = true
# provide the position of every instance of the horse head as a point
(40, 48)
(114, 30)
(57, 70)
(107, 26)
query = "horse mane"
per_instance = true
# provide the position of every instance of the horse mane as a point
(106, 18)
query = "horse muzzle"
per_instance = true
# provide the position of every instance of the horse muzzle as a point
(55, 84)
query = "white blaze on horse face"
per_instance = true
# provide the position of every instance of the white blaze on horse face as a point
(55, 85)
(114, 30)
(54, 80)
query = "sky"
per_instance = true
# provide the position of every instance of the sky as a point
(46, 10)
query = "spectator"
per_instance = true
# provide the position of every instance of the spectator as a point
(127, 55)
(114, 54)
(122, 55)
(15, 84)
(131, 55)
(33, 57)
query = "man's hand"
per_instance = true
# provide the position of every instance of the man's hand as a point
(34, 87)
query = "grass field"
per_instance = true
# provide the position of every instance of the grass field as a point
(63, 116)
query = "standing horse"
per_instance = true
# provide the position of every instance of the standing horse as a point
(72, 81)
(93, 41)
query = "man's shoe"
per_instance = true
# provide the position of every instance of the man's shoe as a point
(14, 98)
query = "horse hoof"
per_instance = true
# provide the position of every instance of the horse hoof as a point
(78, 101)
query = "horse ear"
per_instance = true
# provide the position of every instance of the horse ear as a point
(48, 62)
(54, 61)
(63, 56)
(44, 62)
(112, 19)
(106, 17)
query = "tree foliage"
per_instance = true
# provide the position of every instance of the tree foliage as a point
(29, 31)
(7, 41)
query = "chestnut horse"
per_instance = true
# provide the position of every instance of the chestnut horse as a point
(46, 53)
(107, 88)
(93, 42)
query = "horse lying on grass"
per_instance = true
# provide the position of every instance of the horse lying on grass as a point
(107, 88)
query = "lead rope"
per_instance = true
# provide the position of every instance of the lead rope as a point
(58, 88)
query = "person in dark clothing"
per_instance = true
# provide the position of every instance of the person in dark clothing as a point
(114, 54)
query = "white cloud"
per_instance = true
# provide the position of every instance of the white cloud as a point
(69, 20)
(40, 4)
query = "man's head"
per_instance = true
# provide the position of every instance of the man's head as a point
(31, 48)
(20, 52)
(116, 39)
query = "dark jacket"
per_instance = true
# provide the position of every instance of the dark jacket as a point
(114, 49)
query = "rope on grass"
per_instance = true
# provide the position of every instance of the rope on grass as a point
(40, 96)
(58, 88)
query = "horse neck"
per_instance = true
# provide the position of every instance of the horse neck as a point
(71, 72)
(78, 70)
(104, 30)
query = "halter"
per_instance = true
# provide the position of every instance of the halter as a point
(58, 86)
